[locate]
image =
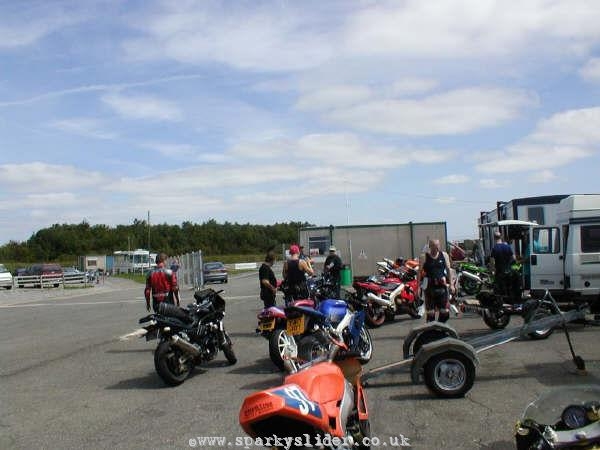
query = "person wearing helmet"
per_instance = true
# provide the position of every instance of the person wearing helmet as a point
(333, 268)
(294, 275)
(161, 285)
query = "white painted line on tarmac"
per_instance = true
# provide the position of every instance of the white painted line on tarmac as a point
(136, 333)
(27, 305)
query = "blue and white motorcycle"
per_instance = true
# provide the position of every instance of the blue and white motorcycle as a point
(342, 318)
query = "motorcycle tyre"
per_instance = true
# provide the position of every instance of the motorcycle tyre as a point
(274, 352)
(375, 315)
(227, 348)
(161, 365)
(494, 322)
(413, 311)
(429, 374)
(470, 287)
(311, 347)
(369, 341)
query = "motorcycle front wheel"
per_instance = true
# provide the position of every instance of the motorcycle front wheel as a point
(365, 346)
(545, 333)
(311, 347)
(496, 319)
(170, 364)
(227, 348)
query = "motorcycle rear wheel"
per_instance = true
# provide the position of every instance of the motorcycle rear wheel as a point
(470, 287)
(168, 366)
(495, 319)
(277, 343)
(375, 315)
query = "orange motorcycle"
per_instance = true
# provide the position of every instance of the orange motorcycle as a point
(320, 404)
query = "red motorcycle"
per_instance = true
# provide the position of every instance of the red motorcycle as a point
(321, 405)
(391, 294)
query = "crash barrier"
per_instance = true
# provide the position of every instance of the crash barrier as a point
(54, 280)
(243, 266)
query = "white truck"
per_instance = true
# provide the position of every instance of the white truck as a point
(562, 257)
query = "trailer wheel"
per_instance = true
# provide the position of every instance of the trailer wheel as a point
(449, 374)
(426, 337)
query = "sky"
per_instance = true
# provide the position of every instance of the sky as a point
(337, 112)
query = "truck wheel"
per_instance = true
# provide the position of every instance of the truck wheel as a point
(450, 374)
(496, 319)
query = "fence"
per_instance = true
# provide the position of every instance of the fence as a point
(190, 272)
(52, 280)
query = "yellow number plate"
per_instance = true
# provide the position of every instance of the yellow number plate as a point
(295, 326)
(267, 325)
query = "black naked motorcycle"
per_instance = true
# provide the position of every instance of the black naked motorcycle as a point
(188, 336)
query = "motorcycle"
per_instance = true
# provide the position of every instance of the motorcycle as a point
(321, 404)
(344, 318)
(272, 321)
(188, 336)
(567, 417)
(471, 277)
(393, 294)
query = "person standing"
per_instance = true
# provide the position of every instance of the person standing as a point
(294, 275)
(161, 285)
(435, 266)
(267, 281)
(502, 259)
(333, 268)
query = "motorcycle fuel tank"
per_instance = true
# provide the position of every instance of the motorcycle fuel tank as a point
(335, 310)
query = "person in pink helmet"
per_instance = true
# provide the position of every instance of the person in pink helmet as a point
(294, 275)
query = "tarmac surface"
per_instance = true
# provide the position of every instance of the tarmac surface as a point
(70, 380)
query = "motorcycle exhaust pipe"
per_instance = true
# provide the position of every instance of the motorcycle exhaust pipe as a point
(471, 276)
(184, 345)
(378, 300)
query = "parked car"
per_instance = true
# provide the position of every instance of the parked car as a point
(215, 271)
(47, 271)
(6, 278)
(72, 274)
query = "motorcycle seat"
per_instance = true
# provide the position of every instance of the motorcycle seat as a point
(304, 310)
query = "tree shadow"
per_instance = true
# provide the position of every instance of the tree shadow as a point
(138, 350)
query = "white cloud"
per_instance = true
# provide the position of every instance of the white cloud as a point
(270, 37)
(545, 176)
(49, 178)
(591, 70)
(454, 112)
(92, 128)
(333, 97)
(452, 179)
(170, 150)
(563, 138)
(411, 86)
(143, 107)
(491, 183)
(445, 200)
(486, 27)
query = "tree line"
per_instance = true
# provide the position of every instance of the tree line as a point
(67, 241)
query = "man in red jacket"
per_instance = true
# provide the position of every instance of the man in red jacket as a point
(161, 285)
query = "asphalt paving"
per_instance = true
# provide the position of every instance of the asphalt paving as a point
(69, 379)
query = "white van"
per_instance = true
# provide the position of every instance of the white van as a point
(6, 278)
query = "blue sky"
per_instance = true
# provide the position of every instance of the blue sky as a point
(331, 112)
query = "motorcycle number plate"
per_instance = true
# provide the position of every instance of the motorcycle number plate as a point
(295, 326)
(266, 325)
